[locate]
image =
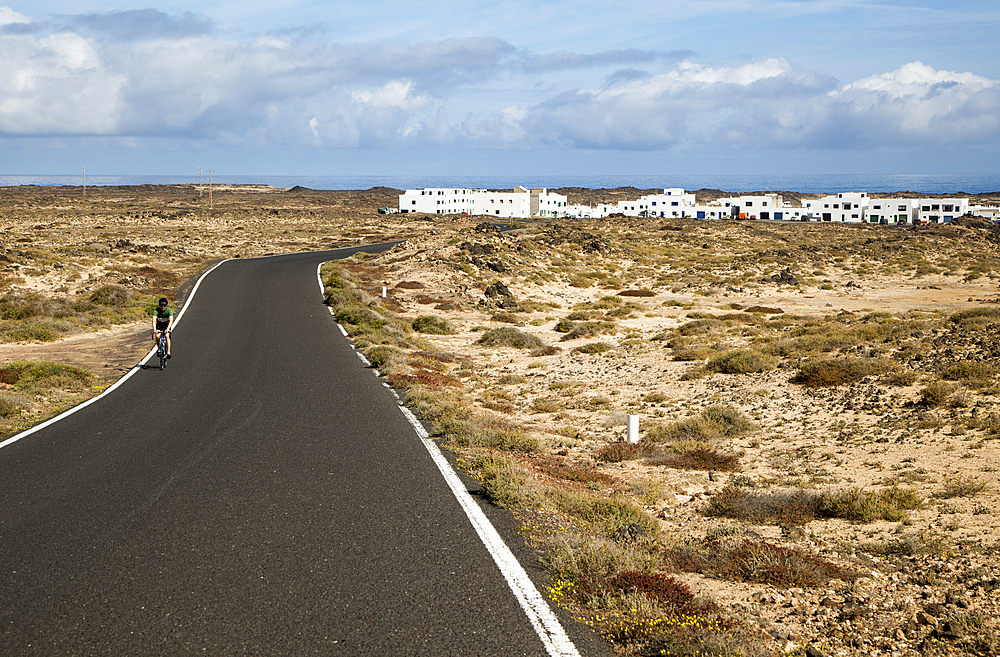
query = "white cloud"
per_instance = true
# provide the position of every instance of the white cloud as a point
(178, 81)
(10, 17)
(768, 103)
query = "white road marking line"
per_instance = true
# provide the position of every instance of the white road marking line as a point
(114, 386)
(557, 643)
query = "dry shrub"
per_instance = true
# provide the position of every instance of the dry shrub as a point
(637, 293)
(733, 422)
(699, 458)
(506, 317)
(592, 348)
(688, 354)
(741, 361)
(427, 378)
(757, 561)
(410, 285)
(961, 486)
(547, 350)
(510, 337)
(714, 423)
(588, 330)
(696, 429)
(976, 318)
(8, 406)
(699, 327)
(789, 507)
(858, 505)
(764, 310)
(484, 430)
(970, 372)
(111, 295)
(432, 325)
(624, 451)
(936, 393)
(572, 472)
(828, 372)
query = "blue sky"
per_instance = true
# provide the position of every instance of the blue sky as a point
(484, 87)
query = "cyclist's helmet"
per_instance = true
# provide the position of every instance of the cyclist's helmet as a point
(163, 301)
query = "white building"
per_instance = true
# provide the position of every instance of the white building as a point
(941, 210)
(763, 206)
(671, 203)
(991, 212)
(892, 211)
(438, 200)
(847, 207)
(516, 203)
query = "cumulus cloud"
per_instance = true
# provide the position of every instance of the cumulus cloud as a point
(770, 103)
(146, 74)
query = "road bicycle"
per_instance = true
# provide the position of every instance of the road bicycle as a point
(161, 349)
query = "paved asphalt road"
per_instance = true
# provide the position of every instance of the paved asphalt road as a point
(263, 495)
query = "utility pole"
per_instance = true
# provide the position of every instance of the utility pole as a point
(84, 182)
(201, 187)
(210, 205)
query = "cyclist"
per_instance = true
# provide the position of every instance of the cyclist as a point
(163, 321)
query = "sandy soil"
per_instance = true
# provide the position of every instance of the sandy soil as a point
(869, 434)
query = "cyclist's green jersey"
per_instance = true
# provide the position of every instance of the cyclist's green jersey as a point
(163, 314)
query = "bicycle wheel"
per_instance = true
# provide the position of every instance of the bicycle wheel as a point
(162, 353)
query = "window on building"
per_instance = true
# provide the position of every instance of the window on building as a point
(836, 206)
(749, 204)
(673, 203)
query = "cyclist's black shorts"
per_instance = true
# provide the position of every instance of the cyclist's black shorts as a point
(162, 326)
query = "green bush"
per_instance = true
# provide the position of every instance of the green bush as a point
(609, 514)
(41, 374)
(506, 483)
(360, 317)
(732, 422)
(588, 330)
(432, 324)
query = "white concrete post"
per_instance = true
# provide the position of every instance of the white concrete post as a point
(633, 428)
(383, 291)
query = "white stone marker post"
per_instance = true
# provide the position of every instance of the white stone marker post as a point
(633, 428)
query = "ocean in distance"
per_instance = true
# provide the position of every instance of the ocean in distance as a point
(803, 183)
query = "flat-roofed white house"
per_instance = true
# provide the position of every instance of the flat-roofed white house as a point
(891, 211)
(846, 207)
(941, 210)
(438, 200)
(760, 206)
(516, 203)
(991, 212)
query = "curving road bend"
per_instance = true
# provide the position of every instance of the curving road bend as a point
(263, 495)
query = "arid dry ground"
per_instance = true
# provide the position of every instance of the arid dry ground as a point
(818, 404)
